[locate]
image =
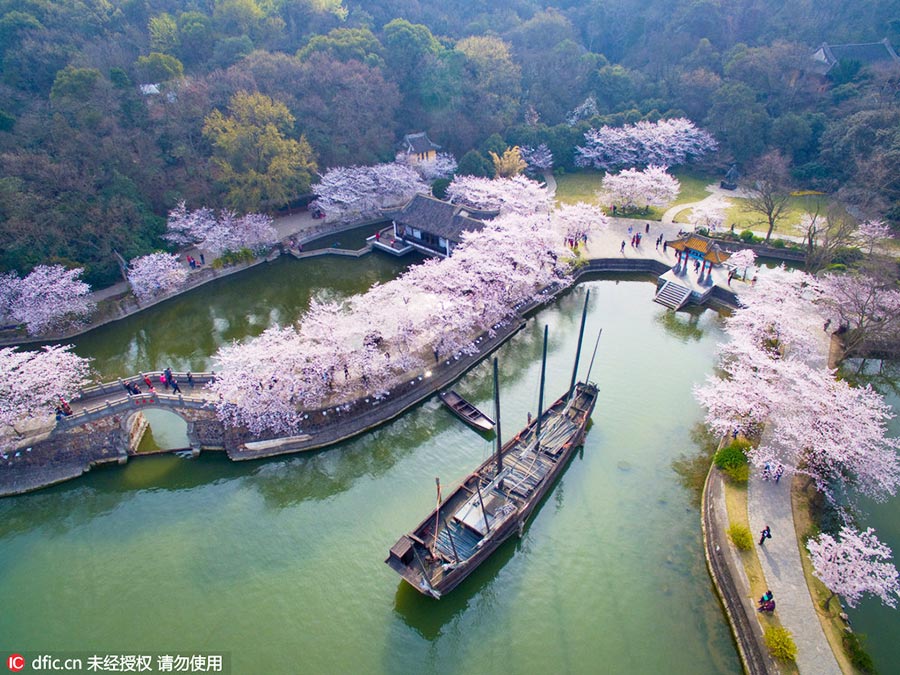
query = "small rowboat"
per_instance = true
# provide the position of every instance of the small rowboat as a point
(467, 412)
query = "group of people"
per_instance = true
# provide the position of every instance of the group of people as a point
(167, 379)
(63, 409)
(194, 264)
(766, 602)
(768, 473)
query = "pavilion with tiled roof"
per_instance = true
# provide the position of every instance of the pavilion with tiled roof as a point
(699, 248)
(676, 287)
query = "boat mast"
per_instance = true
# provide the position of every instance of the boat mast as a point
(537, 434)
(497, 417)
(578, 348)
(591, 365)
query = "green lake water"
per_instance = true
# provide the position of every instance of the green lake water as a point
(279, 563)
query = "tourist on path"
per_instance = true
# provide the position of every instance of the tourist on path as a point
(175, 388)
(765, 534)
(622, 248)
(779, 471)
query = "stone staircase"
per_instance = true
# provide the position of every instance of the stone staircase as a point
(672, 295)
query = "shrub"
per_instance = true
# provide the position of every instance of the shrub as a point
(747, 237)
(740, 537)
(778, 243)
(856, 651)
(847, 255)
(781, 643)
(732, 459)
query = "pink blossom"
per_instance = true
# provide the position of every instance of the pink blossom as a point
(49, 298)
(855, 564)
(632, 189)
(742, 259)
(370, 344)
(667, 142)
(155, 274)
(538, 159)
(33, 381)
(356, 192)
(442, 166)
(518, 194)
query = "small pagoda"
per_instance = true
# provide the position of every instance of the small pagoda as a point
(697, 248)
(698, 261)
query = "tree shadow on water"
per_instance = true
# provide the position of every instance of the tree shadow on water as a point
(692, 467)
(683, 324)
(429, 617)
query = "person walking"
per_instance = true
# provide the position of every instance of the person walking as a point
(175, 388)
(765, 534)
(779, 471)
(622, 248)
(647, 229)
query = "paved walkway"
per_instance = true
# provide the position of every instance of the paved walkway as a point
(769, 503)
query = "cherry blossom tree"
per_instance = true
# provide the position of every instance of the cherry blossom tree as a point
(853, 565)
(50, 298)
(577, 221)
(356, 192)
(185, 227)
(773, 374)
(539, 159)
(155, 274)
(709, 214)
(741, 260)
(33, 381)
(518, 194)
(231, 232)
(227, 232)
(872, 232)
(442, 166)
(586, 110)
(864, 306)
(633, 189)
(667, 142)
(367, 345)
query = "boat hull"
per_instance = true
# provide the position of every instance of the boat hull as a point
(423, 557)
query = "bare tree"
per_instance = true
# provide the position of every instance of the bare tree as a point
(768, 188)
(826, 236)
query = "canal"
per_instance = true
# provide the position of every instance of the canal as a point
(279, 563)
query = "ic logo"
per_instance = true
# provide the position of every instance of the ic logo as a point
(15, 662)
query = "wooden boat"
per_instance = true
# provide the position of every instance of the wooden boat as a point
(499, 496)
(467, 412)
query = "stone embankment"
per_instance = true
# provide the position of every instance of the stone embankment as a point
(97, 430)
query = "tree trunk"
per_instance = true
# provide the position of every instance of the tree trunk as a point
(771, 227)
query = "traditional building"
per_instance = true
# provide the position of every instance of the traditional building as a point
(434, 226)
(872, 54)
(678, 286)
(417, 148)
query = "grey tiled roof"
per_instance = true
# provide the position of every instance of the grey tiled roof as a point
(419, 143)
(439, 218)
(866, 53)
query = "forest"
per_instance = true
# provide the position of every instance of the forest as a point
(112, 112)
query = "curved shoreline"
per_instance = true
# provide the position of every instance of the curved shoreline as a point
(12, 481)
(125, 305)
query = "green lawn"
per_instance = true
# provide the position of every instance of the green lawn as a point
(788, 223)
(583, 186)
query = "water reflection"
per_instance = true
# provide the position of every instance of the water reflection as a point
(429, 617)
(183, 333)
(683, 324)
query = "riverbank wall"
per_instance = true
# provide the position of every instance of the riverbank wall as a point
(325, 428)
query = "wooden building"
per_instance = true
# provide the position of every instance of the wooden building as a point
(435, 227)
(415, 148)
